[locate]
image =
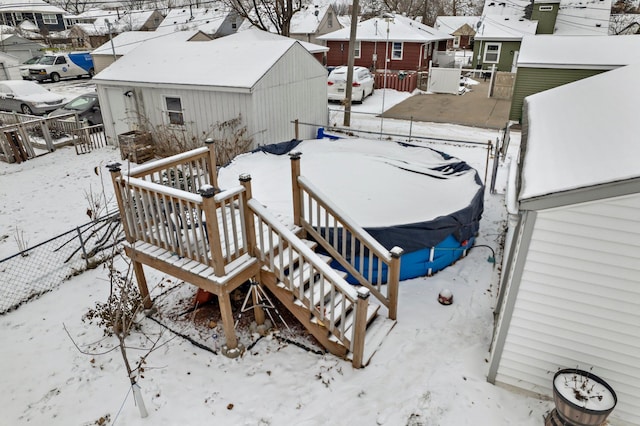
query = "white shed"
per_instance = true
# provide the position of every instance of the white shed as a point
(570, 294)
(190, 89)
(9, 67)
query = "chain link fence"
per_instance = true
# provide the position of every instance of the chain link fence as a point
(40, 269)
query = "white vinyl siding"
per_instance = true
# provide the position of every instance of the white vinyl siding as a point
(578, 303)
(492, 52)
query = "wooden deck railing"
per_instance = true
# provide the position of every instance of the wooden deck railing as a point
(208, 228)
(89, 138)
(358, 252)
(188, 171)
(321, 289)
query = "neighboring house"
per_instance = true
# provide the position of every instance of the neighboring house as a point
(570, 291)
(123, 43)
(96, 33)
(504, 24)
(20, 47)
(548, 61)
(215, 22)
(407, 44)
(9, 67)
(187, 89)
(314, 20)
(318, 51)
(45, 16)
(497, 41)
(462, 28)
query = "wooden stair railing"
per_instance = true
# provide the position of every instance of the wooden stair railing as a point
(371, 264)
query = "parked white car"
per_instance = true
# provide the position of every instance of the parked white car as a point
(28, 97)
(362, 85)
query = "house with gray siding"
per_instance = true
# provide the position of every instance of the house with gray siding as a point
(186, 90)
(570, 290)
(547, 61)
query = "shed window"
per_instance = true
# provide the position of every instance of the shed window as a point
(492, 52)
(49, 18)
(174, 110)
(545, 8)
(396, 51)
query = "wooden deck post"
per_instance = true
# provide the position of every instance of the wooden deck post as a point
(393, 280)
(231, 341)
(245, 181)
(213, 230)
(295, 186)
(114, 168)
(360, 327)
(296, 125)
(213, 168)
(142, 283)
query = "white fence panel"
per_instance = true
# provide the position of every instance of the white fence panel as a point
(444, 80)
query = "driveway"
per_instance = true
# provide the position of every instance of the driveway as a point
(473, 108)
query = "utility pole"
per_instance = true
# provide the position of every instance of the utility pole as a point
(350, 61)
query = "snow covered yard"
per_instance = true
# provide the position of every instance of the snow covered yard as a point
(430, 370)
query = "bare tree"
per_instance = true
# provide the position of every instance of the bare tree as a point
(267, 15)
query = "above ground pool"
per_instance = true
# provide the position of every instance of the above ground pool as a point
(413, 197)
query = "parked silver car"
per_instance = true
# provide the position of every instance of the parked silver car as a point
(86, 106)
(28, 97)
(362, 85)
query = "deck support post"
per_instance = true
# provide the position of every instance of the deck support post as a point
(231, 341)
(142, 283)
(295, 186)
(213, 168)
(393, 280)
(360, 327)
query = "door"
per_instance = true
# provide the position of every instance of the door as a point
(122, 109)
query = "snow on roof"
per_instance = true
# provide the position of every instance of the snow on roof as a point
(505, 28)
(257, 34)
(198, 63)
(206, 20)
(505, 7)
(400, 28)
(94, 28)
(125, 42)
(307, 20)
(135, 19)
(600, 52)
(583, 17)
(30, 6)
(450, 24)
(582, 134)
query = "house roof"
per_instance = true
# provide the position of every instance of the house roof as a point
(505, 28)
(207, 20)
(583, 17)
(126, 42)
(505, 7)
(197, 64)
(400, 27)
(450, 24)
(582, 134)
(257, 34)
(30, 6)
(572, 52)
(306, 21)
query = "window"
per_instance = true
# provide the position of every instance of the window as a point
(60, 60)
(456, 41)
(329, 19)
(49, 18)
(174, 110)
(18, 17)
(356, 49)
(545, 8)
(396, 50)
(492, 52)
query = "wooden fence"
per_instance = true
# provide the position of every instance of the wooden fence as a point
(403, 81)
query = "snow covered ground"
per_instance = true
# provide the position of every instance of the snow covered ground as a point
(430, 370)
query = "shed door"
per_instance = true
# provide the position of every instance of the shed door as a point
(123, 109)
